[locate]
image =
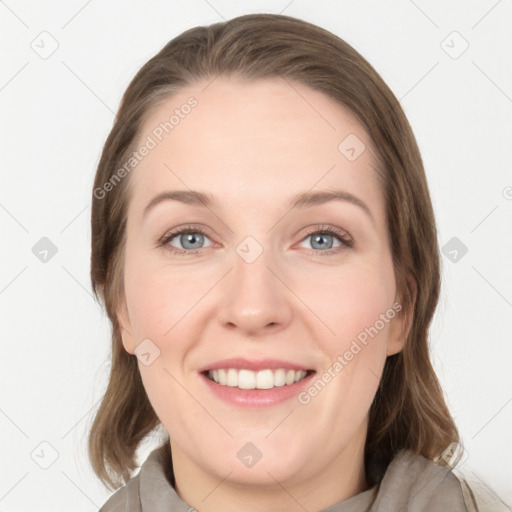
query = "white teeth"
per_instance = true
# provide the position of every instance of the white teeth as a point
(232, 377)
(247, 379)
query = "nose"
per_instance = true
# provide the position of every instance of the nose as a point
(255, 299)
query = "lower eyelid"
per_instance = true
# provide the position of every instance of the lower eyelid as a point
(343, 245)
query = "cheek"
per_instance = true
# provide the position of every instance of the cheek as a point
(357, 308)
(158, 297)
(350, 300)
(160, 302)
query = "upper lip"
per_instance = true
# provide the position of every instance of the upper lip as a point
(253, 364)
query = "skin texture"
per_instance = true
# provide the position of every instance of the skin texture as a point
(253, 145)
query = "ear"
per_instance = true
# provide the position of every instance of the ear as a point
(402, 322)
(123, 318)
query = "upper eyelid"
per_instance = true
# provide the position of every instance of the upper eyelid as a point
(327, 228)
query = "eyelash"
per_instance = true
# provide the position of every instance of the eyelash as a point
(342, 236)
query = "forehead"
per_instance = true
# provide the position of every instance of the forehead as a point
(256, 140)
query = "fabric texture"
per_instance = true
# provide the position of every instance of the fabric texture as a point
(411, 483)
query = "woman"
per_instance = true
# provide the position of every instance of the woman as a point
(285, 351)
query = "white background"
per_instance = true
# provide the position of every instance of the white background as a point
(56, 114)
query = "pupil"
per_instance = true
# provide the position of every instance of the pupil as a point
(319, 238)
(190, 238)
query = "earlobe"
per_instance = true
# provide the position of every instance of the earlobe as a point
(402, 323)
(123, 319)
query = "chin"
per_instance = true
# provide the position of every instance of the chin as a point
(259, 463)
(269, 475)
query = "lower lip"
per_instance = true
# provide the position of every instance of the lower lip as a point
(257, 397)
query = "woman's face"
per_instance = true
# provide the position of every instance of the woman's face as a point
(258, 281)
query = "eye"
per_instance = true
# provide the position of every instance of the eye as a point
(191, 239)
(322, 238)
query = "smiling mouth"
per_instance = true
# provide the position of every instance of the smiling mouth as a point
(263, 379)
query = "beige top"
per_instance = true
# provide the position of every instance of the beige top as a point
(411, 483)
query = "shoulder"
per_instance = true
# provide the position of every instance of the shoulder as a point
(125, 499)
(415, 483)
(478, 497)
(151, 489)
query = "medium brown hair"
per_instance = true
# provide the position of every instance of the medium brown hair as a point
(408, 411)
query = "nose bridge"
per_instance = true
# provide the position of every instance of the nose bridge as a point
(255, 297)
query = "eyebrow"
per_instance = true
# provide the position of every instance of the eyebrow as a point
(299, 201)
